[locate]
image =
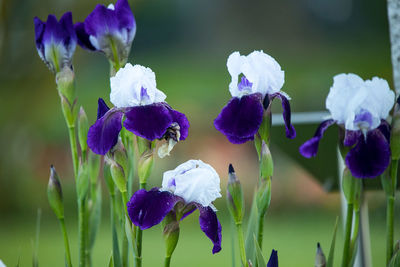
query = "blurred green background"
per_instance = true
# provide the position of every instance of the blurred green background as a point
(187, 43)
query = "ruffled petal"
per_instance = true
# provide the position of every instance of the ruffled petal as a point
(310, 148)
(371, 155)
(148, 208)
(149, 121)
(273, 259)
(290, 131)
(103, 134)
(241, 118)
(210, 225)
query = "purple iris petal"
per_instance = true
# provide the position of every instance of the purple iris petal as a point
(101, 21)
(273, 259)
(148, 208)
(83, 37)
(290, 131)
(371, 155)
(210, 225)
(102, 108)
(384, 127)
(188, 212)
(149, 122)
(103, 134)
(125, 15)
(310, 148)
(241, 118)
(351, 137)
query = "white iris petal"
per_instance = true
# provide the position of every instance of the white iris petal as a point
(194, 181)
(262, 70)
(350, 95)
(127, 84)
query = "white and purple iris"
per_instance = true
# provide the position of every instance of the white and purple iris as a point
(192, 185)
(135, 95)
(261, 82)
(55, 41)
(361, 108)
(108, 28)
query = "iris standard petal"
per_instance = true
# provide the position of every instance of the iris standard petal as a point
(241, 118)
(210, 225)
(124, 14)
(103, 134)
(102, 108)
(371, 155)
(148, 208)
(149, 121)
(101, 21)
(290, 131)
(310, 148)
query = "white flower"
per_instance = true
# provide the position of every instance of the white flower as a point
(351, 97)
(194, 181)
(2, 264)
(134, 86)
(260, 69)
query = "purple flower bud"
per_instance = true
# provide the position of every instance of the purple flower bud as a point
(55, 41)
(108, 29)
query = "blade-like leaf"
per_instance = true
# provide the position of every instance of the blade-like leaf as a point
(114, 221)
(259, 255)
(252, 226)
(111, 262)
(333, 242)
(95, 215)
(233, 243)
(35, 260)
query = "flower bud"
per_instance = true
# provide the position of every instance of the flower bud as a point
(395, 134)
(170, 225)
(118, 176)
(320, 260)
(145, 164)
(83, 128)
(54, 194)
(263, 197)
(65, 80)
(234, 195)
(69, 111)
(267, 165)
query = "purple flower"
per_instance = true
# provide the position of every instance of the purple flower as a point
(192, 185)
(55, 41)
(360, 108)
(135, 96)
(108, 29)
(261, 82)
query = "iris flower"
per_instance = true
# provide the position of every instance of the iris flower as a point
(261, 82)
(55, 41)
(136, 97)
(192, 185)
(360, 108)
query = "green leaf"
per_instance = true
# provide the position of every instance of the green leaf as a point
(116, 253)
(395, 261)
(35, 260)
(252, 226)
(95, 215)
(111, 262)
(260, 257)
(333, 242)
(233, 243)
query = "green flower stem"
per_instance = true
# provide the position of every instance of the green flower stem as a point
(74, 149)
(242, 249)
(356, 228)
(346, 247)
(68, 262)
(82, 234)
(390, 198)
(260, 230)
(139, 238)
(167, 261)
